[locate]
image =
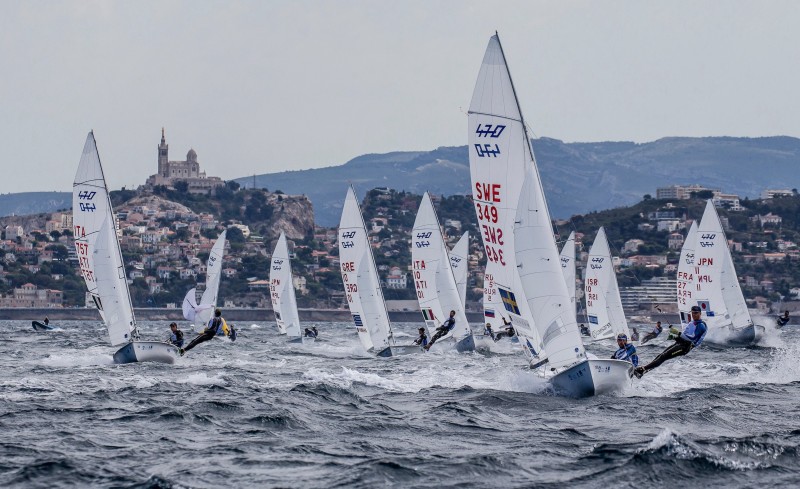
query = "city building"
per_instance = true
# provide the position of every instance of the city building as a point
(680, 192)
(31, 296)
(656, 291)
(771, 193)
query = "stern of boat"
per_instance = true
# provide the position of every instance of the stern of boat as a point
(146, 351)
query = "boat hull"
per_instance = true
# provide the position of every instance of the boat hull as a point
(727, 336)
(41, 326)
(305, 340)
(146, 351)
(398, 350)
(465, 344)
(593, 378)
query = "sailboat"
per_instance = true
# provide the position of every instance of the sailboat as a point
(437, 290)
(284, 301)
(603, 303)
(201, 313)
(362, 286)
(100, 261)
(518, 239)
(715, 286)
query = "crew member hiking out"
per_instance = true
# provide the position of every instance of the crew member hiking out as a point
(442, 330)
(422, 339)
(691, 337)
(215, 326)
(508, 332)
(653, 334)
(175, 335)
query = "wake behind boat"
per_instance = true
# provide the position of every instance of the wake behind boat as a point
(518, 239)
(100, 261)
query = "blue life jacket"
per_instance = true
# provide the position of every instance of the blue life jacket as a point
(628, 353)
(450, 323)
(694, 332)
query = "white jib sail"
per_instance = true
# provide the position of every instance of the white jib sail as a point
(91, 207)
(360, 278)
(213, 274)
(437, 291)
(685, 285)
(603, 303)
(568, 266)
(459, 262)
(284, 301)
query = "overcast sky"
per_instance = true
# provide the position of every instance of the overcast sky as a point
(257, 87)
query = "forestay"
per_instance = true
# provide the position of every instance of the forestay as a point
(603, 303)
(91, 208)
(282, 294)
(360, 278)
(437, 291)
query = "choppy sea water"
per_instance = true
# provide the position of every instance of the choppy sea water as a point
(264, 413)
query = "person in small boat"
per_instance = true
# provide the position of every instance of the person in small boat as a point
(685, 341)
(626, 351)
(47, 320)
(311, 333)
(585, 330)
(442, 330)
(654, 333)
(634, 334)
(175, 335)
(782, 320)
(487, 331)
(422, 339)
(508, 332)
(216, 325)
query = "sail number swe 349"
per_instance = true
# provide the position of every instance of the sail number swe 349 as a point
(487, 195)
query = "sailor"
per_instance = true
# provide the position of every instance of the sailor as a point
(585, 330)
(422, 339)
(653, 334)
(634, 334)
(175, 335)
(782, 320)
(508, 332)
(47, 320)
(442, 330)
(215, 326)
(487, 331)
(308, 333)
(626, 351)
(691, 337)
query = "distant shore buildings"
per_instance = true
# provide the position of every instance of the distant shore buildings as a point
(172, 172)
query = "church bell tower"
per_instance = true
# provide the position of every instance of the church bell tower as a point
(163, 156)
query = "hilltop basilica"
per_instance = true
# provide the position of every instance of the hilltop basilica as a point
(170, 172)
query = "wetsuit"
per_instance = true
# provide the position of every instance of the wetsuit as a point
(627, 353)
(488, 332)
(782, 321)
(214, 326)
(310, 334)
(509, 332)
(443, 330)
(422, 340)
(176, 338)
(652, 334)
(691, 336)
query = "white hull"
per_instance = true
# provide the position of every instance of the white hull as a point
(146, 351)
(730, 337)
(592, 378)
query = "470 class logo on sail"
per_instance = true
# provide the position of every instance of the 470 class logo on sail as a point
(490, 131)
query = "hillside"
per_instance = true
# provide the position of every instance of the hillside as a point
(578, 177)
(25, 203)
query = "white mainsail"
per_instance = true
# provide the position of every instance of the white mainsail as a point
(459, 262)
(99, 255)
(603, 303)
(437, 290)
(685, 279)
(517, 233)
(717, 289)
(284, 301)
(208, 302)
(568, 266)
(360, 277)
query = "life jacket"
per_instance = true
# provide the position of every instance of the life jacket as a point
(219, 326)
